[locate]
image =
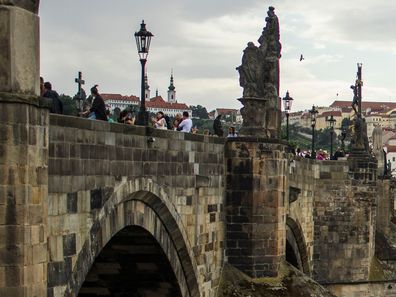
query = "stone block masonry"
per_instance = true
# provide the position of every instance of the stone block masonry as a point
(23, 199)
(103, 177)
(23, 155)
(255, 206)
(19, 54)
(339, 228)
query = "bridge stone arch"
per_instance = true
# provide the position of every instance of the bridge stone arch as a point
(136, 203)
(296, 248)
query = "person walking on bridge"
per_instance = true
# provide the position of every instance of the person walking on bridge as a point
(57, 105)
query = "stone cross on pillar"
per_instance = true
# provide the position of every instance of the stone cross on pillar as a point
(79, 81)
(79, 96)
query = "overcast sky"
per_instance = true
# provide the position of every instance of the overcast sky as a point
(202, 41)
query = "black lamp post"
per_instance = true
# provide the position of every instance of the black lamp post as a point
(330, 123)
(143, 39)
(287, 104)
(313, 113)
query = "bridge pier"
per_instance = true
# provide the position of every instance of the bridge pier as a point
(255, 205)
(344, 221)
(23, 154)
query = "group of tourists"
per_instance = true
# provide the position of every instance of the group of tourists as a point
(321, 154)
(97, 111)
(181, 123)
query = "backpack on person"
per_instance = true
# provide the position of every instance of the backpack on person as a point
(168, 123)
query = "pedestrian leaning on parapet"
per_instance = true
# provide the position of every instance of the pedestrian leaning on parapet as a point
(186, 123)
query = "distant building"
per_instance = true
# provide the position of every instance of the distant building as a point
(120, 101)
(171, 91)
(171, 109)
(375, 113)
(321, 119)
(366, 106)
(155, 104)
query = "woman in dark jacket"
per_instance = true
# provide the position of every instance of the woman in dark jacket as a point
(98, 106)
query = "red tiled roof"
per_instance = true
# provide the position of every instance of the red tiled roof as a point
(391, 148)
(329, 113)
(155, 102)
(159, 102)
(225, 111)
(365, 104)
(119, 97)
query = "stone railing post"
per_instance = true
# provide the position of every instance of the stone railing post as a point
(23, 154)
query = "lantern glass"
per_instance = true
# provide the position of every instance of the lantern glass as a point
(287, 102)
(143, 40)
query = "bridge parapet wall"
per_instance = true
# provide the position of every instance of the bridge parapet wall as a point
(340, 232)
(95, 166)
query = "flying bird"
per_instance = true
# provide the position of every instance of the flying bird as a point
(301, 58)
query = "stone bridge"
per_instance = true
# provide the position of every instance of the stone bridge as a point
(90, 208)
(149, 202)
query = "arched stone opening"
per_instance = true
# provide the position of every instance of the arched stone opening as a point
(291, 256)
(296, 250)
(131, 264)
(140, 209)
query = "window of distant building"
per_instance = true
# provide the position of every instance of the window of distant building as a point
(394, 159)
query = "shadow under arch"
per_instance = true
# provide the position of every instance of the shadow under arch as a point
(296, 249)
(131, 264)
(146, 210)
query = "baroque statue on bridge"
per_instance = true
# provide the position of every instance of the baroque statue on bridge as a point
(259, 77)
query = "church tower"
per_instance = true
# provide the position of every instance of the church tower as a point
(146, 88)
(171, 91)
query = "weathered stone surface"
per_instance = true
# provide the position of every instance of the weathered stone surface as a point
(96, 189)
(259, 77)
(23, 196)
(90, 180)
(19, 50)
(254, 213)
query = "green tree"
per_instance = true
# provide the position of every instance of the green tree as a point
(199, 112)
(69, 105)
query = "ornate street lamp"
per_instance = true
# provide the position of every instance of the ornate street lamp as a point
(330, 124)
(287, 104)
(143, 39)
(313, 113)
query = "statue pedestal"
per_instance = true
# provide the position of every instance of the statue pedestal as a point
(255, 205)
(261, 117)
(362, 166)
(19, 55)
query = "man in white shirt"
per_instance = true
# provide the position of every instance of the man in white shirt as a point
(186, 123)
